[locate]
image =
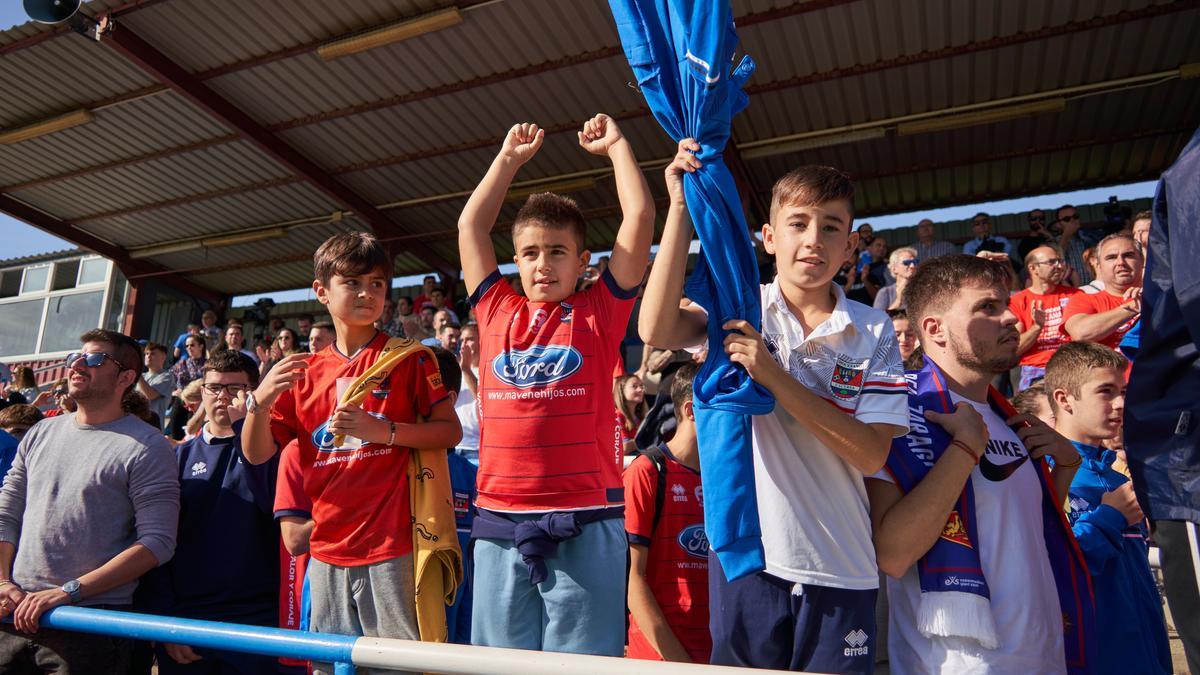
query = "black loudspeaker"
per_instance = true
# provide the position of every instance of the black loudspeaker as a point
(51, 11)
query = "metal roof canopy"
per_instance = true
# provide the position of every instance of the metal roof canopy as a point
(216, 121)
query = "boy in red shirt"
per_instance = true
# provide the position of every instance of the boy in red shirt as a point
(1106, 317)
(549, 449)
(1039, 309)
(361, 568)
(668, 550)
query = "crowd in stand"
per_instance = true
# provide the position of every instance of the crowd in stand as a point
(312, 481)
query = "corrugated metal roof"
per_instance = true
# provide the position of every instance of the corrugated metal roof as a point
(397, 123)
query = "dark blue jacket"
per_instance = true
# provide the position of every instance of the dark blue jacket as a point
(462, 484)
(8, 452)
(226, 564)
(1131, 631)
(1162, 408)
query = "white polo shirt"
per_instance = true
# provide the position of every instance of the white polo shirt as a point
(812, 504)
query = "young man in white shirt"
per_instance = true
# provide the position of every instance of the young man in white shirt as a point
(970, 530)
(834, 368)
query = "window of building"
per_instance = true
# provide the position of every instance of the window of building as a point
(92, 271)
(19, 322)
(36, 279)
(65, 274)
(68, 317)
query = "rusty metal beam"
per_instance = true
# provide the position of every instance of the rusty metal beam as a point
(157, 64)
(130, 267)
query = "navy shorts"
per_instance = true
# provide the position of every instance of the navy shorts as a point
(758, 622)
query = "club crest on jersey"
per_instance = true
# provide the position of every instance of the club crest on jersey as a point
(536, 366)
(956, 530)
(694, 541)
(847, 379)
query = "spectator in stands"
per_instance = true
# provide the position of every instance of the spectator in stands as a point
(441, 319)
(226, 566)
(404, 307)
(903, 264)
(180, 352)
(1033, 401)
(235, 339)
(821, 579)
(361, 574)
(1039, 309)
(1039, 233)
(1106, 316)
(1087, 391)
(387, 320)
(304, 324)
(1141, 230)
(448, 337)
(286, 344)
(873, 266)
(464, 405)
(321, 336)
(866, 234)
(26, 385)
(191, 414)
(1003, 587)
(277, 324)
(191, 368)
(440, 301)
(522, 462)
(852, 283)
(80, 527)
(426, 296)
(1072, 243)
(1089, 260)
(156, 384)
(668, 550)
(209, 330)
(15, 421)
(981, 225)
(927, 246)
(63, 401)
(136, 404)
(629, 397)
(906, 339)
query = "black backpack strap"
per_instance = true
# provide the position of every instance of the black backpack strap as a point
(659, 459)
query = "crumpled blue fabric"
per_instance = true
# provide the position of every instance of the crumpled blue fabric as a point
(681, 52)
(538, 539)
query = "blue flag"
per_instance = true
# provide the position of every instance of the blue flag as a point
(681, 52)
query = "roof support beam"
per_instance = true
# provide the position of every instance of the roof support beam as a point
(157, 64)
(129, 267)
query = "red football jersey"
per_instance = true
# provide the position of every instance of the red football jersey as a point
(547, 437)
(1098, 303)
(1053, 334)
(677, 569)
(359, 495)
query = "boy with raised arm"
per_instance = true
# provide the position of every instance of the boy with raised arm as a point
(834, 368)
(549, 453)
(355, 458)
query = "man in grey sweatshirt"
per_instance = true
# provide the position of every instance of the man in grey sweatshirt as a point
(91, 504)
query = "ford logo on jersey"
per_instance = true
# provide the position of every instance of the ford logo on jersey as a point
(694, 541)
(538, 365)
(322, 438)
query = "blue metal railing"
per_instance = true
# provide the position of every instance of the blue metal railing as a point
(277, 642)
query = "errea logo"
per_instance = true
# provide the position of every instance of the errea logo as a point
(199, 468)
(680, 493)
(857, 639)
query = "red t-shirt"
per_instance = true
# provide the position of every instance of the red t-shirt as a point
(290, 500)
(1053, 334)
(677, 567)
(547, 437)
(1098, 303)
(360, 501)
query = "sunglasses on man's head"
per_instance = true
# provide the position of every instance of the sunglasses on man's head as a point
(91, 359)
(910, 262)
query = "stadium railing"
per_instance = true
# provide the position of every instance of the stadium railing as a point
(348, 652)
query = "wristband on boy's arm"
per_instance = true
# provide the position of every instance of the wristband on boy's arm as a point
(392, 433)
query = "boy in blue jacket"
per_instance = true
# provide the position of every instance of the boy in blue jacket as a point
(1086, 385)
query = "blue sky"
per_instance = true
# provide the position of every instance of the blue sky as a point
(20, 239)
